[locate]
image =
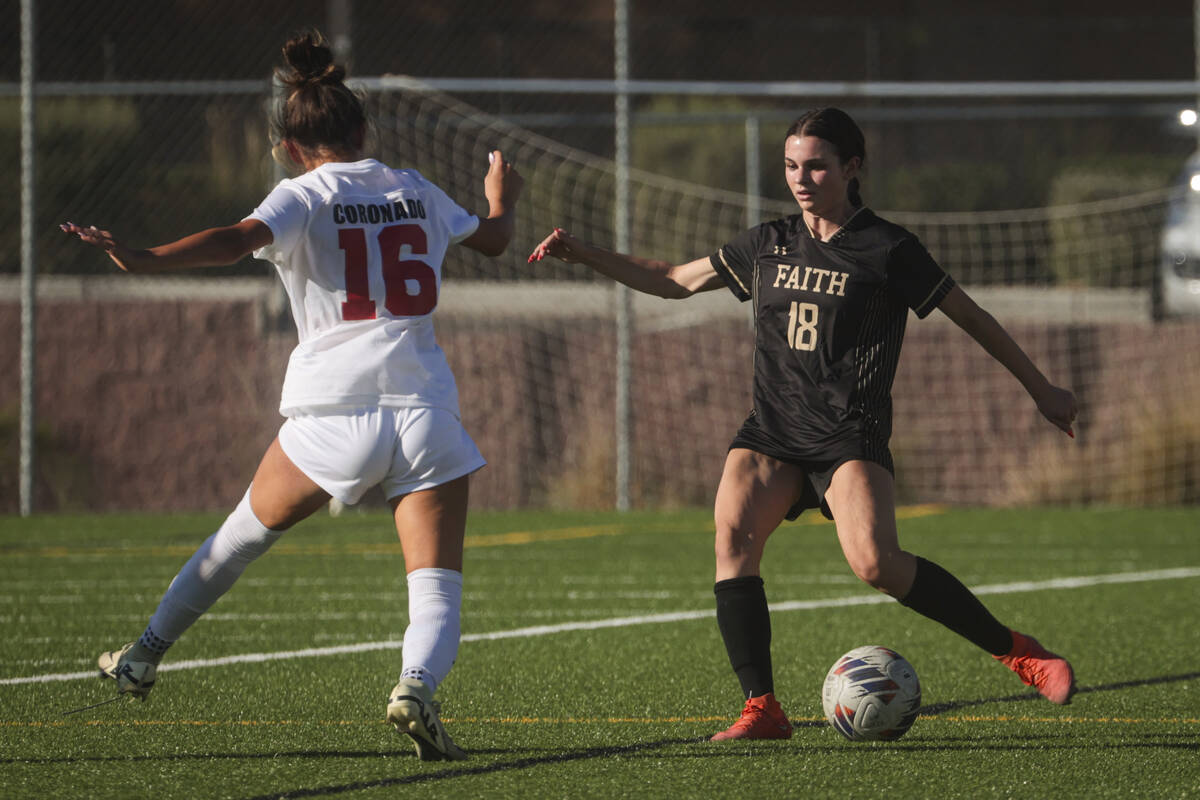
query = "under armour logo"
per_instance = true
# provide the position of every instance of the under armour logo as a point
(781, 250)
(429, 726)
(126, 671)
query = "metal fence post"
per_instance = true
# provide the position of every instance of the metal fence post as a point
(753, 172)
(622, 225)
(28, 261)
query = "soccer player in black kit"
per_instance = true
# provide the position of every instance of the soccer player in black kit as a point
(832, 287)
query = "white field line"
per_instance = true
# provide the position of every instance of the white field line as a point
(622, 622)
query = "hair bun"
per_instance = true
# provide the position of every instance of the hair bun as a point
(317, 109)
(311, 61)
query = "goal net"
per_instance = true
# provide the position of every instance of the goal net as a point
(534, 346)
(177, 396)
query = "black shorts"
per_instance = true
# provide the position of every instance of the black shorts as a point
(818, 468)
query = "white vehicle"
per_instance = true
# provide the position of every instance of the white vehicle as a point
(1176, 289)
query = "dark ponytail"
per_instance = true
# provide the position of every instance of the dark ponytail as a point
(836, 127)
(319, 110)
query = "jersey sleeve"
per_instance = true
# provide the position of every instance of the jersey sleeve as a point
(734, 262)
(285, 211)
(459, 222)
(916, 278)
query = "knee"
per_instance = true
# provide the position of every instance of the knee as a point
(249, 548)
(734, 542)
(243, 535)
(881, 571)
(868, 569)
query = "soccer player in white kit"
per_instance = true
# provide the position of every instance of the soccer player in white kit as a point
(368, 395)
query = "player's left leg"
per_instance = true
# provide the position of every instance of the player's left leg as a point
(862, 498)
(432, 525)
(280, 496)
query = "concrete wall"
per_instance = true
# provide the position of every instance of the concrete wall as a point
(167, 405)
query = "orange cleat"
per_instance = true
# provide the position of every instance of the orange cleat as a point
(1036, 666)
(762, 718)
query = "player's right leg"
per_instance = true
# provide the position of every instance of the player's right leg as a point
(861, 496)
(428, 487)
(755, 493)
(431, 524)
(280, 496)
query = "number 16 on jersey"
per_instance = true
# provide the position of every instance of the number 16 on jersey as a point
(400, 276)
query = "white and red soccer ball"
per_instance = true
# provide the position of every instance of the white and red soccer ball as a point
(871, 693)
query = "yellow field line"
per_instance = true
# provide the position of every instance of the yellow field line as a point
(245, 723)
(393, 548)
(298, 549)
(552, 535)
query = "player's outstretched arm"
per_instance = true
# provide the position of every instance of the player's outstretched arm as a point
(502, 186)
(1055, 403)
(214, 247)
(659, 278)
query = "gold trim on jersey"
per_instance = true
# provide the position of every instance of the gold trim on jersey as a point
(936, 289)
(721, 255)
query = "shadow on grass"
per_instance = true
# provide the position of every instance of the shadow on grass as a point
(482, 769)
(321, 754)
(1041, 744)
(1157, 740)
(936, 744)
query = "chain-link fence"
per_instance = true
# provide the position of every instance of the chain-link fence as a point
(150, 121)
(149, 113)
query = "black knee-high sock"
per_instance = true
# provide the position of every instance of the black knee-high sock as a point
(942, 597)
(745, 627)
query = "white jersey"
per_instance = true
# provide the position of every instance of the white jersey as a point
(359, 248)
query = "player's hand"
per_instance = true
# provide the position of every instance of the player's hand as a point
(122, 256)
(560, 245)
(1058, 406)
(502, 184)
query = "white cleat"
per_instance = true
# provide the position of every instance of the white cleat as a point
(134, 678)
(412, 709)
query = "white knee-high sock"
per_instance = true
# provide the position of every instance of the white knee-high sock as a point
(208, 574)
(434, 611)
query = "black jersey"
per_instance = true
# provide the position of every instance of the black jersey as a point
(829, 321)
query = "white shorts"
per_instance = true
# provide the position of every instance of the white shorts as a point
(401, 450)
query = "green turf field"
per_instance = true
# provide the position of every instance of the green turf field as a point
(591, 664)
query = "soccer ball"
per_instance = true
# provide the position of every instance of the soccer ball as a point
(871, 693)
